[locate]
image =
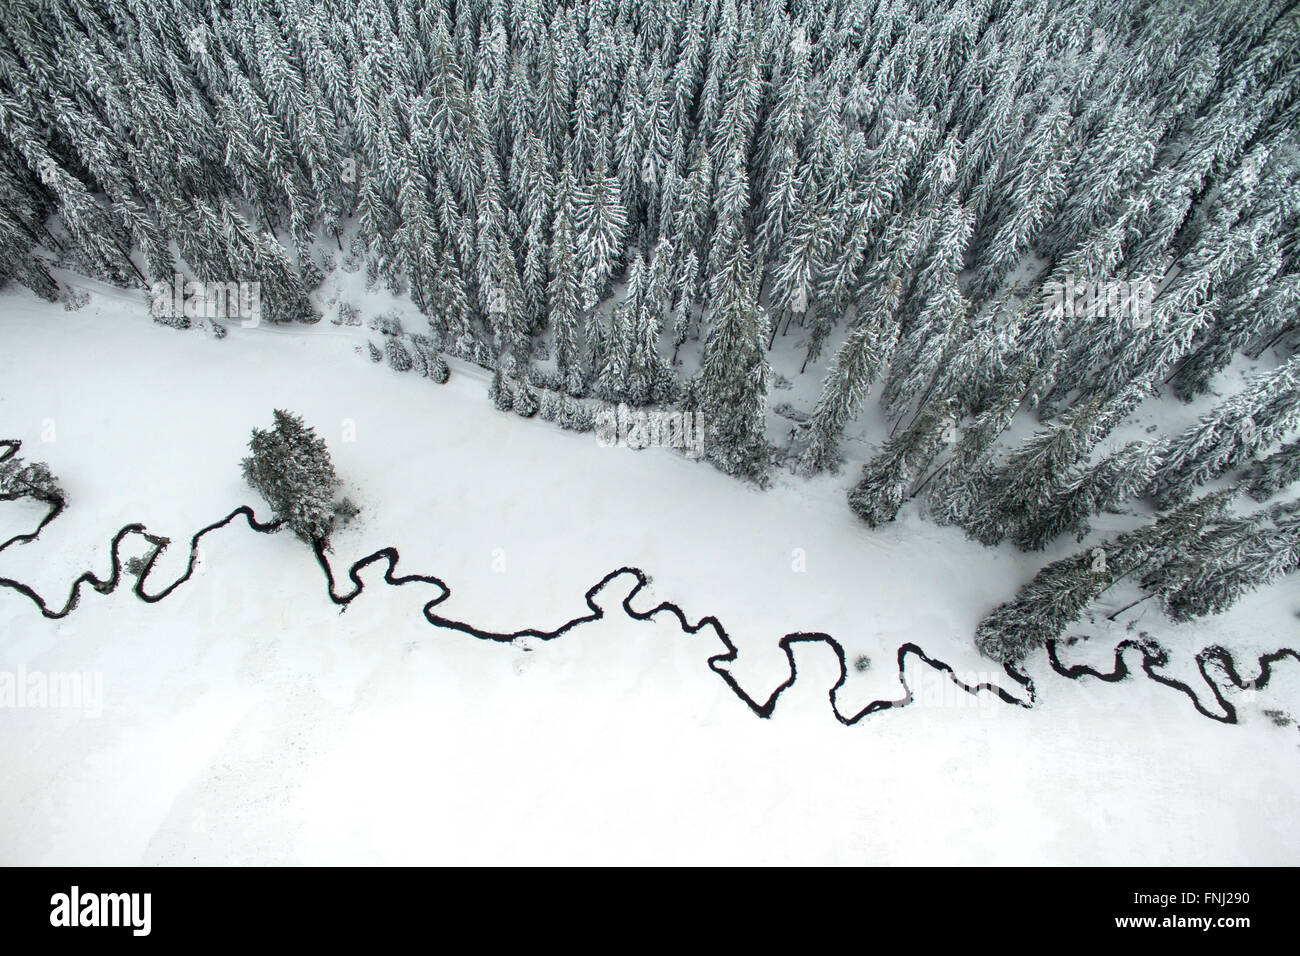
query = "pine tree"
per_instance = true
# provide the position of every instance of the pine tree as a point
(564, 292)
(20, 478)
(1034, 187)
(525, 402)
(1119, 477)
(863, 354)
(499, 392)
(1266, 478)
(600, 223)
(1235, 557)
(1025, 491)
(1062, 591)
(731, 391)
(399, 359)
(291, 468)
(832, 167)
(885, 482)
(958, 485)
(1252, 419)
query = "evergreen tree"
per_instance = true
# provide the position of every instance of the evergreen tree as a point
(290, 467)
(1268, 477)
(885, 482)
(600, 222)
(864, 352)
(731, 391)
(1252, 419)
(1062, 591)
(499, 392)
(1236, 556)
(399, 359)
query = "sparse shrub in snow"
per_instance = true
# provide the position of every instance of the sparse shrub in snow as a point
(375, 354)
(525, 402)
(788, 411)
(347, 314)
(345, 511)
(328, 262)
(399, 359)
(1280, 718)
(74, 299)
(861, 663)
(290, 467)
(135, 566)
(177, 321)
(23, 479)
(387, 323)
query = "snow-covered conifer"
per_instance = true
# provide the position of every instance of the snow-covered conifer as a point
(291, 468)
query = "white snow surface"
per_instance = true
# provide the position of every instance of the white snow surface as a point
(246, 721)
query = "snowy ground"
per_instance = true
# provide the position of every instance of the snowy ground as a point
(245, 720)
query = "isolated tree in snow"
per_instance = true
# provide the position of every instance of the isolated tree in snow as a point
(20, 478)
(290, 467)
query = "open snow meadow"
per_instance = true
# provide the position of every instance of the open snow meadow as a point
(246, 719)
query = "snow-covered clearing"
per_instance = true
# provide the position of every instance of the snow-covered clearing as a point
(246, 720)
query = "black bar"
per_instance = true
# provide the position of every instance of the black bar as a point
(931, 908)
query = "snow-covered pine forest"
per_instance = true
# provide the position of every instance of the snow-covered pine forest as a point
(634, 201)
